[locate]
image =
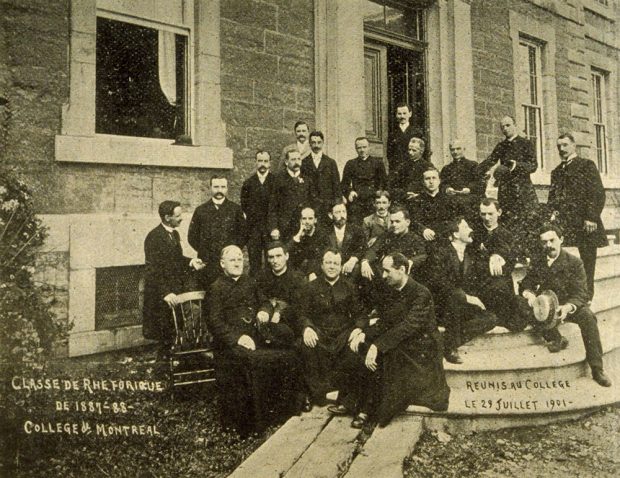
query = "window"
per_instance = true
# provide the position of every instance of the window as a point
(599, 106)
(141, 79)
(394, 18)
(529, 93)
(118, 296)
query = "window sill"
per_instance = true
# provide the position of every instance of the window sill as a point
(110, 149)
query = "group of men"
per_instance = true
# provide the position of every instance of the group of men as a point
(361, 270)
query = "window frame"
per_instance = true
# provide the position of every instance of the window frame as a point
(600, 119)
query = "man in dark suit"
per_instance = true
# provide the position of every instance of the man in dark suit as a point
(256, 193)
(291, 192)
(577, 198)
(324, 177)
(302, 144)
(330, 314)
(432, 209)
(460, 179)
(398, 147)
(417, 166)
(306, 246)
(378, 223)
(216, 224)
(398, 355)
(257, 382)
(361, 178)
(514, 159)
(495, 245)
(167, 273)
(347, 238)
(453, 279)
(559, 271)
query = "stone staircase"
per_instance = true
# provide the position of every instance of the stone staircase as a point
(507, 380)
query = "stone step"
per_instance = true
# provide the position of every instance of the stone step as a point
(383, 454)
(330, 454)
(280, 452)
(501, 338)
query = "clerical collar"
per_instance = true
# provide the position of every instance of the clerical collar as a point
(403, 127)
(278, 274)
(364, 158)
(218, 202)
(168, 228)
(512, 138)
(262, 177)
(431, 194)
(293, 174)
(570, 158)
(330, 282)
(233, 278)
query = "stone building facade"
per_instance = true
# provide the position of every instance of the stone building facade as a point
(243, 72)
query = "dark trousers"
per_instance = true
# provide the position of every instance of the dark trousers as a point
(322, 366)
(359, 388)
(512, 311)
(587, 253)
(257, 243)
(586, 320)
(463, 321)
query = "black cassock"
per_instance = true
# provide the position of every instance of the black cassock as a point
(410, 359)
(255, 387)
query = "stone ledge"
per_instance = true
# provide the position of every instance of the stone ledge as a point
(97, 341)
(110, 149)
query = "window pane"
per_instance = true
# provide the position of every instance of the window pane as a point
(402, 22)
(118, 296)
(373, 15)
(373, 113)
(533, 75)
(141, 78)
(524, 92)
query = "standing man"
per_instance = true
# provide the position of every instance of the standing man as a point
(398, 145)
(398, 358)
(330, 314)
(216, 224)
(453, 280)
(307, 245)
(460, 179)
(256, 192)
(291, 192)
(301, 145)
(362, 177)
(167, 273)
(577, 198)
(515, 159)
(324, 177)
(347, 238)
(564, 274)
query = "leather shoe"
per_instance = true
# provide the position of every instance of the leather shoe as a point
(359, 421)
(306, 406)
(338, 410)
(453, 356)
(599, 377)
(556, 346)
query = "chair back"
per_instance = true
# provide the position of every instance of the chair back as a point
(189, 325)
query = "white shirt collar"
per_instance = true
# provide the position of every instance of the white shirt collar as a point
(570, 158)
(262, 177)
(460, 249)
(340, 232)
(551, 260)
(316, 157)
(332, 282)
(403, 127)
(292, 174)
(278, 274)
(218, 202)
(512, 137)
(491, 228)
(168, 228)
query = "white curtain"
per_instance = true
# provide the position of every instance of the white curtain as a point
(167, 66)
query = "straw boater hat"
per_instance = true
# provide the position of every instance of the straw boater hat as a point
(546, 309)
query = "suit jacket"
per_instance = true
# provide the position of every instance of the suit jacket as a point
(306, 255)
(500, 241)
(324, 181)
(398, 149)
(410, 181)
(353, 243)
(167, 271)
(288, 196)
(577, 193)
(365, 177)
(516, 192)
(433, 212)
(460, 174)
(283, 293)
(255, 199)
(409, 244)
(566, 277)
(446, 275)
(213, 228)
(375, 227)
(332, 311)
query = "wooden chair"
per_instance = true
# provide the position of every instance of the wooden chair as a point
(191, 356)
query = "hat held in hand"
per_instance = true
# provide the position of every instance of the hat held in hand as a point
(546, 309)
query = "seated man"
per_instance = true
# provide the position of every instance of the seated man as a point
(282, 287)
(167, 274)
(257, 384)
(306, 245)
(564, 274)
(330, 310)
(346, 238)
(378, 223)
(432, 209)
(400, 357)
(496, 247)
(453, 279)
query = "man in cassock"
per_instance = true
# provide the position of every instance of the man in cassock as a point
(306, 246)
(411, 185)
(330, 311)
(398, 359)
(460, 178)
(257, 382)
